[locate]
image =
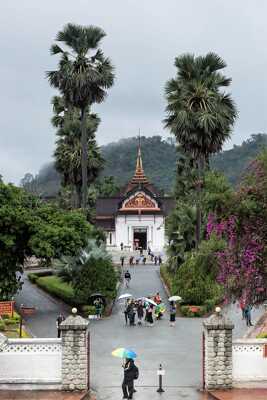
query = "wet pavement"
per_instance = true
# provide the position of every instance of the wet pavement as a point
(43, 322)
(40, 395)
(145, 393)
(178, 349)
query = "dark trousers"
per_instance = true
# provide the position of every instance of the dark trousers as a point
(126, 317)
(127, 388)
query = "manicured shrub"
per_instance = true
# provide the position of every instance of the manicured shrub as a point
(10, 321)
(2, 325)
(55, 286)
(89, 310)
(32, 277)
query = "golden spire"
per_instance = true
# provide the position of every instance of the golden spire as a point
(139, 176)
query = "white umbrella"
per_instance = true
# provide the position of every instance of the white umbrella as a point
(175, 298)
(150, 301)
(125, 296)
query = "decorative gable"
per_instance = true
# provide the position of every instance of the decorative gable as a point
(140, 201)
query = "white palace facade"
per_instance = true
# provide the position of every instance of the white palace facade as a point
(136, 216)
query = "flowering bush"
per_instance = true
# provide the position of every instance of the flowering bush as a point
(242, 264)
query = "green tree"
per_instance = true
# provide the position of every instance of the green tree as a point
(106, 187)
(28, 227)
(199, 113)
(68, 148)
(82, 78)
(89, 272)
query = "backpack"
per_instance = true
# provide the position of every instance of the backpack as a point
(135, 372)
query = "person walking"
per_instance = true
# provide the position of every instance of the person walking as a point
(242, 307)
(247, 313)
(121, 246)
(140, 312)
(125, 311)
(59, 319)
(160, 260)
(150, 315)
(130, 374)
(122, 260)
(172, 313)
(157, 298)
(98, 308)
(131, 313)
(127, 277)
(155, 260)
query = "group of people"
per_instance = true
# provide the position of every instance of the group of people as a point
(142, 259)
(146, 312)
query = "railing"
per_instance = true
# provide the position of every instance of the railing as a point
(249, 360)
(33, 346)
(31, 361)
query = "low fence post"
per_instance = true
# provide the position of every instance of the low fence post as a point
(218, 352)
(75, 352)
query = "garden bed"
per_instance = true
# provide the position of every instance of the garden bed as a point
(56, 287)
(10, 327)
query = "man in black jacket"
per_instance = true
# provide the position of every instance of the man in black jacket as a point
(128, 380)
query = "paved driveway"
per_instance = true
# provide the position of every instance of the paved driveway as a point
(43, 322)
(178, 348)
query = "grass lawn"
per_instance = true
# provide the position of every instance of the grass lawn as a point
(55, 286)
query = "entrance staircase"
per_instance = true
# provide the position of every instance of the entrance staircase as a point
(117, 254)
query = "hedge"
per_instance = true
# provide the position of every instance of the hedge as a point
(56, 287)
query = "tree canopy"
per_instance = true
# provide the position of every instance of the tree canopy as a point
(29, 227)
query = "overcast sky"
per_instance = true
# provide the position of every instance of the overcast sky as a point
(143, 38)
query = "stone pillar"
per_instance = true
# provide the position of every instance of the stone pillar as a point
(218, 351)
(75, 354)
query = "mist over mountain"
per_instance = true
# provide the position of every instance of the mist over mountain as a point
(159, 161)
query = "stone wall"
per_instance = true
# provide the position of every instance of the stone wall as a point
(218, 352)
(75, 339)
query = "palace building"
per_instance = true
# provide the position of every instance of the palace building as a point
(136, 216)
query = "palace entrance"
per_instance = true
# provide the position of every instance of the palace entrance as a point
(140, 238)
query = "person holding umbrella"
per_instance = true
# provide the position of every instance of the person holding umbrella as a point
(130, 370)
(130, 373)
(172, 313)
(98, 308)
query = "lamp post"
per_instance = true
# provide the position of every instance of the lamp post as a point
(160, 373)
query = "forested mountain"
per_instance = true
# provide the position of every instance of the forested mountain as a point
(159, 159)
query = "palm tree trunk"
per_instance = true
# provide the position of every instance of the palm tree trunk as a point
(84, 157)
(200, 169)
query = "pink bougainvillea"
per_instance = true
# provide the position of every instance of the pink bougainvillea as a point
(243, 262)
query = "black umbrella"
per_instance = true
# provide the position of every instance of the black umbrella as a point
(100, 296)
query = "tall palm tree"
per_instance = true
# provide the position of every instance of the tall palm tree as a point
(199, 113)
(68, 152)
(83, 76)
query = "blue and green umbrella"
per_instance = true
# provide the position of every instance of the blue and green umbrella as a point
(122, 352)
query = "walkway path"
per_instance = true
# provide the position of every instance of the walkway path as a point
(43, 322)
(178, 349)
